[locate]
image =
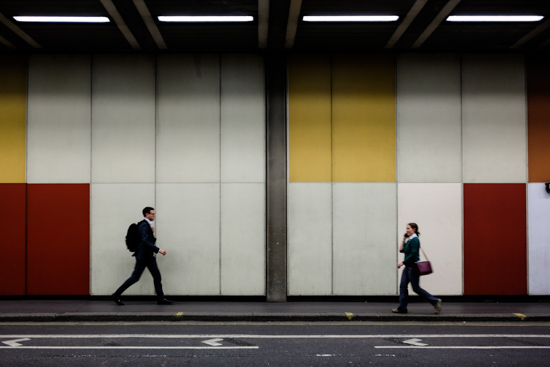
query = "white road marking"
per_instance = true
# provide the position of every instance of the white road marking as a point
(213, 342)
(415, 342)
(464, 347)
(15, 343)
(266, 336)
(128, 347)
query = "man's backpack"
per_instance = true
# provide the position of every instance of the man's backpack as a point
(132, 237)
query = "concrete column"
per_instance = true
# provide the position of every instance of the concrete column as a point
(276, 177)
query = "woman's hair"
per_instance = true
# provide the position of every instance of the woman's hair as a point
(415, 227)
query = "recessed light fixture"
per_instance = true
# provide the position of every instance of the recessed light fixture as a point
(350, 18)
(206, 18)
(494, 18)
(61, 19)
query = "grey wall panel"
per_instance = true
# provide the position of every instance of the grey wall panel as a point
(113, 207)
(188, 118)
(429, 136)
(494, 119)
(309, 239)
(188, 229)
(539, 241)
(123, 118)
(243, 264)
(59, 119)
(242, 119)
(364, 257)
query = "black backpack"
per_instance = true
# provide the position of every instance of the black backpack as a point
(132, 237)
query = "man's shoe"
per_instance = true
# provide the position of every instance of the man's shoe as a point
(164, 301)
(117, 300)
(396, 310)
(437, 307)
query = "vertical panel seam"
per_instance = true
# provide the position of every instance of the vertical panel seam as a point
(331, 62)
(220, 171)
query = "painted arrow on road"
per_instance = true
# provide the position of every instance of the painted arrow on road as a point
(415, 342)
(15, 343)
(213, 342)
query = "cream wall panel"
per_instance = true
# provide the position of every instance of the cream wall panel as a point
(59, 119)
(113, 207)
(188, 120)
(437, 209)
(243, 261)
(189, 230)
(494, 118)
(123, 118)
(309, 239)
(539, 241)
(365, 220)
(242, 119)
(429, 136)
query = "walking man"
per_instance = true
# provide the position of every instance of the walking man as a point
(145, 258)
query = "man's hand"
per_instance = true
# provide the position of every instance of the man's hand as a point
(163, 252)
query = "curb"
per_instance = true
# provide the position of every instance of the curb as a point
(264, 317)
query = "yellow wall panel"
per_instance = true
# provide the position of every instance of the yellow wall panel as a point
(13, 117)
(363, 118)
(309, 120)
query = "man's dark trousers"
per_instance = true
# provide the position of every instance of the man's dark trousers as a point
(149, 263)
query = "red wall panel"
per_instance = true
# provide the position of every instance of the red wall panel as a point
(58, 239)
(495, 239)
(12, 261)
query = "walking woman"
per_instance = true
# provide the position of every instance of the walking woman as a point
(410, 247)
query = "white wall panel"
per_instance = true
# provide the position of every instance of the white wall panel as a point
(113, 207)
(123, 118)
(59, 119)
(437, 209)
(309, 239)
(243, 262)
(494, 118)
(242, 119)
(539, 240)
(188, 229)
(188, 120)
(429, 141)
(365, 220)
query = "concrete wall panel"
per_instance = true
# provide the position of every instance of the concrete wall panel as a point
(243, 254)
(309, 239)
(364, 230)
(494, 119)
(189, 230)
(242, 119)
(123, 119)
(429, 136)
(188, 118)
(13, 118)
(59, 119)
(113, 208)
(539, 241)
(437, 209)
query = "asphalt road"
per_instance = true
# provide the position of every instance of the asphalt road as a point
(274, 344)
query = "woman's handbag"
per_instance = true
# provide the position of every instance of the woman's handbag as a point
(424, 267)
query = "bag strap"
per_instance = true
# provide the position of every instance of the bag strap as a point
(423, 253)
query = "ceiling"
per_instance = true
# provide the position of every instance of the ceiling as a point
(277, 26)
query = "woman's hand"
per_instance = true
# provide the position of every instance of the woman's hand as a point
(399, 265)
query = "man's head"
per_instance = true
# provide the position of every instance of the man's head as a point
(149, 213)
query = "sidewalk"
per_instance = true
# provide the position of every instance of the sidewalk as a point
(70, 310)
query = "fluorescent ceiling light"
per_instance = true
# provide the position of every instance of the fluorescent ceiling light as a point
(350, 18)
(494, 18)
(206, 18)
(61, 19)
